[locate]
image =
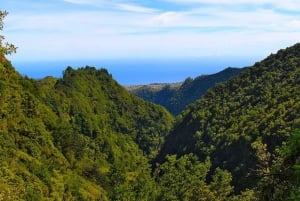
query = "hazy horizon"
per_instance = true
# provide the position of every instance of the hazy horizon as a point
(136, 71)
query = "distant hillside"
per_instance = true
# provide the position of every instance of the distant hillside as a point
(259, 106)
(175, 97)
(155, 87)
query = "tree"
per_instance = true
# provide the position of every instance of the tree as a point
(5, 47)
(281, 181)
(220, 184)
(184, 178)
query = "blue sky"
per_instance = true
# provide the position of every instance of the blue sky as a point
(114, 29)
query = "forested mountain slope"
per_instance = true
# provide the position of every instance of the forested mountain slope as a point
(259, 106)
(74, 138)
(93, 101)
(175, 97)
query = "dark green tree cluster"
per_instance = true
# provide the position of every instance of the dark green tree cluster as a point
(280, 174)
(185, 178)
(175, 97)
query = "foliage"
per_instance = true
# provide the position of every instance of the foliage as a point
(281, 179)
(75, 138)
(185, 179)
(261, 103)
(93, 101)
(5, 48)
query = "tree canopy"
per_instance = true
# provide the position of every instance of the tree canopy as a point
(5, 47)
(260, 104)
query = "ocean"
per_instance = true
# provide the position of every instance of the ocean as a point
(135, 71)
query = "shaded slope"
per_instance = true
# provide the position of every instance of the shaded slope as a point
(175, 97)
(260, 104)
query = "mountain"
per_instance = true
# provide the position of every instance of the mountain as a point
(175, 97)
(81, 137)
(95, 102)
(260, 106)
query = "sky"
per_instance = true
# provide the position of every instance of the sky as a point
(50, 30)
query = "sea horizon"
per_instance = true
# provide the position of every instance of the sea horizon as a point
(135, 71)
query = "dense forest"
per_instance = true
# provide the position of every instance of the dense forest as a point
(85, 137)
(242, 121)
(175, 97)
(79, 137)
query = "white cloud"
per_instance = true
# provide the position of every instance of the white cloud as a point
(294, 24)
(278, 4)
(218, 20)
(166, 19)
(231, 2)
(118, 5)
(135, 8)
(78, 1)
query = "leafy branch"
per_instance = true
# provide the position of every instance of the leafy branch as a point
(5, 47)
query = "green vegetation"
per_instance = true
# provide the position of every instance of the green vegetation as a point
(184, 178)
(5, 48)
(280, 178)
(84, 137)
(262, 104)
(175, 97)
(93, 102)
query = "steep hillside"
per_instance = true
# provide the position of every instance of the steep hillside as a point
(74, 138)
(175, 97)
(93, 101)
(259, 106)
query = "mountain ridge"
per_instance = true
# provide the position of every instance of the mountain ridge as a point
(176, 96)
